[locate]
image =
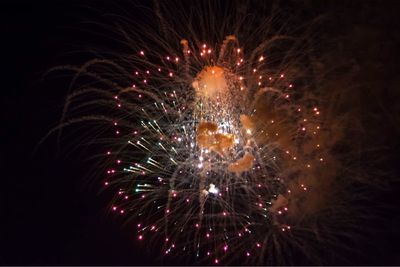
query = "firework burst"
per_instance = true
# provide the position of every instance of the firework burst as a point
(216, 140)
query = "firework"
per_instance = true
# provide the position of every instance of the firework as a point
(214, 143)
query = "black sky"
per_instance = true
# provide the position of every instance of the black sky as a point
(47, 215)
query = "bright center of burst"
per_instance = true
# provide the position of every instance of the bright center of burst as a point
(214, 132)
(213, 189)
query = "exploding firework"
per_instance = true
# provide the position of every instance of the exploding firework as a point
(217, 141)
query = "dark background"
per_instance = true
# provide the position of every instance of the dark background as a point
(48, 213)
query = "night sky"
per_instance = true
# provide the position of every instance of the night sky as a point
(51, 214)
